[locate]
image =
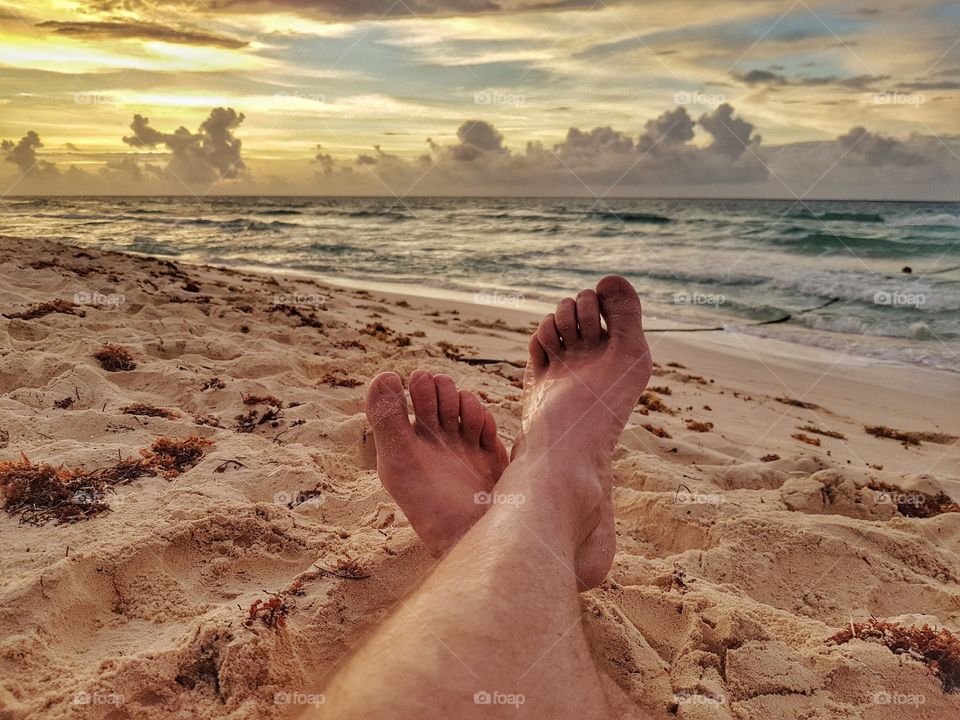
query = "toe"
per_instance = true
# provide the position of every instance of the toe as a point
(448, 403)
(566, 315)
(588, 316)
(620, 306)
(471, 417)
(548, 335)
(423, 393)
(488, 435)
(538, 356)
(387, 410)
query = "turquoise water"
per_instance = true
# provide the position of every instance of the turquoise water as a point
(705, 263)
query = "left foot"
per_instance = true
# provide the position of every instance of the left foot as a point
(440, 468)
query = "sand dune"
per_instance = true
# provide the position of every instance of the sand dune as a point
(747, 537)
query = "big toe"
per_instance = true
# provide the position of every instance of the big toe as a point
(387, 410)
(620, 306)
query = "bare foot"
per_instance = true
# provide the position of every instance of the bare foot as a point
(436, 467)
(580, 386)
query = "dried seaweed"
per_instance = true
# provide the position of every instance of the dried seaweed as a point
(346, 568)
(114, 358)
(339, 378)
(172, 456)
(652, 402)
(214, 383)
(908, 438)
(656, 430)
(798, 403)
(42, 492)
(915, 503)
(144, 410)
(39, 310)
(699, 425)
(823, 431)
(806, 439)
(939, 650)
(306, 319)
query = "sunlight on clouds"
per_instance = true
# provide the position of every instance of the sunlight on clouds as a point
(68, 56)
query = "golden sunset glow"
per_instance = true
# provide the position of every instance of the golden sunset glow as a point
(394, 84)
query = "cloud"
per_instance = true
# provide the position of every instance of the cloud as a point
(367, 9)
(597, 160)
(774, 79)
(23, 154)
(142, 31)
(861, 147)
(731, 135)
(206, 156)
(476, 137)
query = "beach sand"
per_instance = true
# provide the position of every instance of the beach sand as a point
(746, 539)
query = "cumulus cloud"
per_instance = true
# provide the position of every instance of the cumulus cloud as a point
(141, 31)
(861, 147)
(208, 155)
(23, 154)
(596, 160)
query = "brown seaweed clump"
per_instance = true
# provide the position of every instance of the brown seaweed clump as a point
(939, 650)
(908, 438)
(172, 456)
(40, 310)
(914, 503)
(114, 358)
(144, 410)
(652, 402)
(42, 492)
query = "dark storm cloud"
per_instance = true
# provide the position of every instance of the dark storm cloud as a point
(23, 154)
(208, 155)
(140, 30)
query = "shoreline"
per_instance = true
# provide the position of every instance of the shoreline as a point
(534, 308)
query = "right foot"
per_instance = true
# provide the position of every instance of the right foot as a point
(441, 468)
(580, 386)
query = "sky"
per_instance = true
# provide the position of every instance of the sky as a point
(481, 97)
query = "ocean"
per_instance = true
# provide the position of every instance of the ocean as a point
(823, 274)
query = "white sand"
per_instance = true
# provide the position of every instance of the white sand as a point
(731, 575)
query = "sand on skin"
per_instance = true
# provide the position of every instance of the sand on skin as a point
(730, 576)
